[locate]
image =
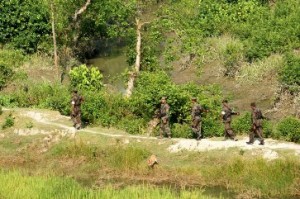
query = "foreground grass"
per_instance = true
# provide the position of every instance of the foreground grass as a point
(15, 185)
(121, 171)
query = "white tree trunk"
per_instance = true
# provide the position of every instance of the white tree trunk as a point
(54, 42)
(81, 10)
(133, 75)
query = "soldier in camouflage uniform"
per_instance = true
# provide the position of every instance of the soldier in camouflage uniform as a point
(227, 113)
(196, 118)
(76, 109)
(256, 129)
(164, 118)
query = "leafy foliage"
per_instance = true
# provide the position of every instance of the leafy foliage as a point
(9, 60)
(242, 124)
(9, 121)
(261, 29)
(289, 129)
(24, 24)
(290, 73)
(84, 78)
(150, 87)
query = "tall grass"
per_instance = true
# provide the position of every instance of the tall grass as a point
(118, 156)
(257, 71)
(14, 185)
(257, 178)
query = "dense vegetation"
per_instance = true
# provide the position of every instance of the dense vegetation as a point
(262, 34)
(258, 28)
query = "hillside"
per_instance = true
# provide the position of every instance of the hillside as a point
(240, 50)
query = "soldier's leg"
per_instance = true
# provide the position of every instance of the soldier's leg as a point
(199, 130)
(73, 118)
(225, 131)
(195, 127)
(162, 129)
(229, 130)
(259, 132)
(167, 129)
(251, 135)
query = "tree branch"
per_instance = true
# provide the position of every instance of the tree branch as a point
(81, 10)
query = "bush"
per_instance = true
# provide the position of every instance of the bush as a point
(182, 131)
(268, 129)
(289, 129)
(132, 125)
(6, 73)
(150, 87)
(44, 95)
(24, 23)
(9, 121)
(84, 78)
(232, 55)
(290, 73)
(242, 124)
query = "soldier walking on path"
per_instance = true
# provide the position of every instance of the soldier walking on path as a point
(196, 118)
(256, 129)
(164, 118)
(227, 113)
(76, 109)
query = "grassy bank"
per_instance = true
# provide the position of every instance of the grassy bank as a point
(116, 167)
(15, 185)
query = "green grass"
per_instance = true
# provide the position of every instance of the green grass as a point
(275, 179)
(15, 185)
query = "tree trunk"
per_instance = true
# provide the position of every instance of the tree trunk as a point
(54, 42)
(75, 20)
(133, 75)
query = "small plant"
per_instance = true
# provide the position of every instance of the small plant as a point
(9, 121)
(85, 78)
(1, 111)
(29, 125)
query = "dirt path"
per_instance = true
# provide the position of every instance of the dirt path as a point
(268, 151)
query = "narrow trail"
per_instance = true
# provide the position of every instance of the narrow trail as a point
(268, 150)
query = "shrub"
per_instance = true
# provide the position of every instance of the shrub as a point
(6, 73)
(84, 78)
(232, 54)
(43, 95)
(132, 125)
(289, 129)
(242, 124)
(24, 23)
(150, 87)
(212, 126)
(9, 121)
(290, 73)
(182, 131)
(268, 129)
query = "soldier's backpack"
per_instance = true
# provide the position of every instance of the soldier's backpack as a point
(78, 100)
(259, 114)
(198, 110)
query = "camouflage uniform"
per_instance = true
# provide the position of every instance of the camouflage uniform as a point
(226, 116)
(256, 126)
(164, 119)
(76, 110)
(196, 120)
